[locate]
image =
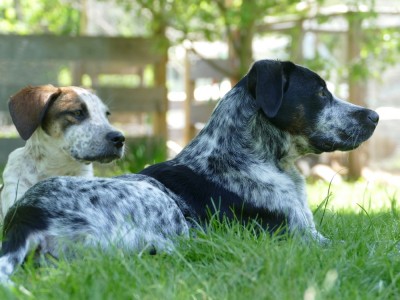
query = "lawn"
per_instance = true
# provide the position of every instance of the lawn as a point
(230, 262)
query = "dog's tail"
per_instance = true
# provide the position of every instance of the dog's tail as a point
(22, 227)
(14, 250)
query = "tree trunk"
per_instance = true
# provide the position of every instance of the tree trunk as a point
(160, 77)
(242, 53)
(356, 89)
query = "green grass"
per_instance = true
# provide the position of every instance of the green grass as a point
(230, 262)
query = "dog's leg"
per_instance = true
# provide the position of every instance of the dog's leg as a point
(301, 219)
(301, 222)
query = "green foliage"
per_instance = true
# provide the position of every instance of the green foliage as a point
(236, 21)
(145, 151)
(232, 21)
(40, 16)
(378, 48)
(382, 47)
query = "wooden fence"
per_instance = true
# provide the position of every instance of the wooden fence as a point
(45, 59)
(197, 113)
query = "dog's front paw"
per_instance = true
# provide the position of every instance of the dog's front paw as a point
(320, 239)
(6, 281)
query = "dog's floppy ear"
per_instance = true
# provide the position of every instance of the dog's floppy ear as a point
(28, 107)
(265, 83)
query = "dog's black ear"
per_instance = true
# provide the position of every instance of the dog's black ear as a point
(265, 83)
(29, 106)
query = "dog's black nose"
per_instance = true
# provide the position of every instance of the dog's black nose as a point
(117, 138)
(373, 117)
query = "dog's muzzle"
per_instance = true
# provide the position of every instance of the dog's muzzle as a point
(356, 127)
(116, 138)
(111, 148)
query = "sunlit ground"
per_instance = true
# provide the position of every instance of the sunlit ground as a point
(363, 195)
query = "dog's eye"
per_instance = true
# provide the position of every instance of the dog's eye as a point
(322, 94)
(108, 114)
(78, 114)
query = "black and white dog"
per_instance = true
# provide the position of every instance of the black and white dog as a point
(240, 165)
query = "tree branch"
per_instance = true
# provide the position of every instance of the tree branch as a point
(229, 32)
(211, 62)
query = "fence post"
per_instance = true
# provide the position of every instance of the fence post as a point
(356, 90)
(160, 78)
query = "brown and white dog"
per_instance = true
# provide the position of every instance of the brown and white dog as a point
(65, 129)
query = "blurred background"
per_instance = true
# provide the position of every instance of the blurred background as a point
(161, 65)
